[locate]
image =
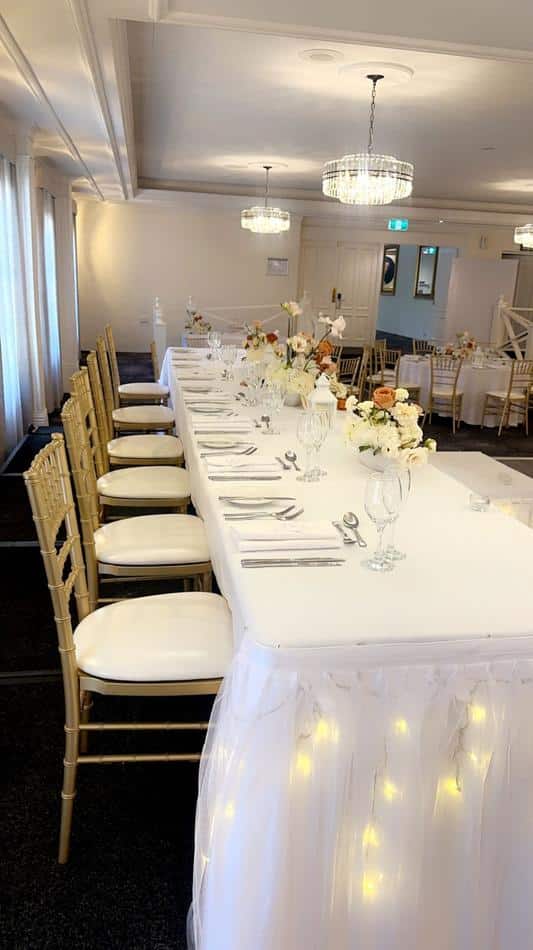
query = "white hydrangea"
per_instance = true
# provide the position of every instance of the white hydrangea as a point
(402, 395)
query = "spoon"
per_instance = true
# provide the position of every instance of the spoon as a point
(291, 457)
(352, 521)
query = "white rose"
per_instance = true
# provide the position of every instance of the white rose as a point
(416, 457)
(351, 403)
(402, 395)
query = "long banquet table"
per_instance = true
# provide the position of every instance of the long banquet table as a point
(367, 780)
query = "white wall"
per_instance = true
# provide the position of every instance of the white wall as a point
(128, 253)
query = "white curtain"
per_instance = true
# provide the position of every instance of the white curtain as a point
(15, 393)
(48, 306)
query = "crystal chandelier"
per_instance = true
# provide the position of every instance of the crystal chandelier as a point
(524, 235)
(366, 178)
(263, 219)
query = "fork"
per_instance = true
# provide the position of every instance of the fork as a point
(287, 514)
(249, 451)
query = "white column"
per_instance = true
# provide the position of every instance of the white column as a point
(30, 270)
(66, 286)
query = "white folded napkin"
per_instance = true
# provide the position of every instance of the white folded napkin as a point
(199, 399)
(275, 535)
(225, 463)
(224, 425)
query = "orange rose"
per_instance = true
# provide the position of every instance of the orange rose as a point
(384, 397)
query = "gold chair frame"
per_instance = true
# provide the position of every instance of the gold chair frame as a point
(111, 399)
(125, 399)
(412, 388)
(423, 348)
(105, 423)
(520, 377)
(445, 369)
(50, 494)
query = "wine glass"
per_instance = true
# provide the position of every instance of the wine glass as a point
(307, 433)
(322, 433)
(382, 505)
(392, 553)
(214, 341)
(229, 355)
(273, 399)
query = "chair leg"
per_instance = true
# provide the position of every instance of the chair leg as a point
(86, 704)
(68, 793)
(502, 420)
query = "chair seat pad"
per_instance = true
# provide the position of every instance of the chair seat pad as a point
(446, 391)
(183, 636)
(148, 481)
(152, 539)
(146, 447)
(502, 394)
(140, 414)
(143, 389)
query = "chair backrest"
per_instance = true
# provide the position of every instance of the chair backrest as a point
(363, 371)
(391, 358)
(81, 388)
(82, 466)
(521, 375)
(336, 353)
(111, 400)
(348, 368)
(421, 347)
(155, 361)
(445, 371)
(103, 418)
(52, 504)
(113, 362)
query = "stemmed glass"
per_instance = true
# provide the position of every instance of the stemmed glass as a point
(229, 355)
(214, 341)
(382, 505)
(392, 553)
(322, 433)
(308, 434)
(253, 375)
(273, 399)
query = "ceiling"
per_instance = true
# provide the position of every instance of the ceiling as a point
(208, 103)
(132, 96)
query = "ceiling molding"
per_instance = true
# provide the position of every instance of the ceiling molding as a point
(82, 22)
(429, 206)
(119, 42)
(29, 76)
(273, 28)
(157, 10)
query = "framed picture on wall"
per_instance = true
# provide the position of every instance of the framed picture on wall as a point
(389, 272)
(426, 271)
(277, 267)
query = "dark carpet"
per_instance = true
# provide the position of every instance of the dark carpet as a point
(128, 882)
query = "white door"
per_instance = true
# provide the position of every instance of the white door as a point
(358, 274)
(318, 273)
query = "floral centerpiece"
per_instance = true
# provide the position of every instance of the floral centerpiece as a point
(463, 348)
(195, 323)
(305, 357)
(385, 429)
(258, 341)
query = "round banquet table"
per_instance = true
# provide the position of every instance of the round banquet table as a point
(473, 381)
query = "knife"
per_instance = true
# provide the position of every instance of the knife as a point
(293, 562)
(263, 497)
(243, 478)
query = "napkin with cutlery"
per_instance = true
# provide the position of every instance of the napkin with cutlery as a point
(221, 425)
(207, 398)
(275, 536)
(237, 465)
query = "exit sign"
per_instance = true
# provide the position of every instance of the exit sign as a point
(398, 224)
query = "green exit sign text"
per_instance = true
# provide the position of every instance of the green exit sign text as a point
(398, 224)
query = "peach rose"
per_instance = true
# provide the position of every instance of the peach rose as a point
(384, 397)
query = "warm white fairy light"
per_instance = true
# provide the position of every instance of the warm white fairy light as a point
(390, 790)
(371, 883)
(370, 837)
(401, 727)
(478, 714)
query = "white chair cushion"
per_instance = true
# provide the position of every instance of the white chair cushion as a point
(146, 447)
(147, 481)
(152, 539)
(502, 394)
(143, 389)
(157, 639)
(446, 391)
(139, 414)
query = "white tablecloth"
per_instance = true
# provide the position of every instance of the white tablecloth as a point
(473, 381)
(367, 775)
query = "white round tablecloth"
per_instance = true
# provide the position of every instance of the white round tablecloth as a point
(473, 381)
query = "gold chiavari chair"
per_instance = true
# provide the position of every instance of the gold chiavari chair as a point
(347, 368)
(336, 354)
(130, 418)
(443, 393)
(386, 362)
(165, 645)
(514, 399)
(154, 486)
(154, 546)
(134, 392)
(412, 389)
(130, 450)
(423, 348)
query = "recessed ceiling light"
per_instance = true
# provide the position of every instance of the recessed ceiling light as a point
(323, 56)
(394, 74)
(441, 221)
